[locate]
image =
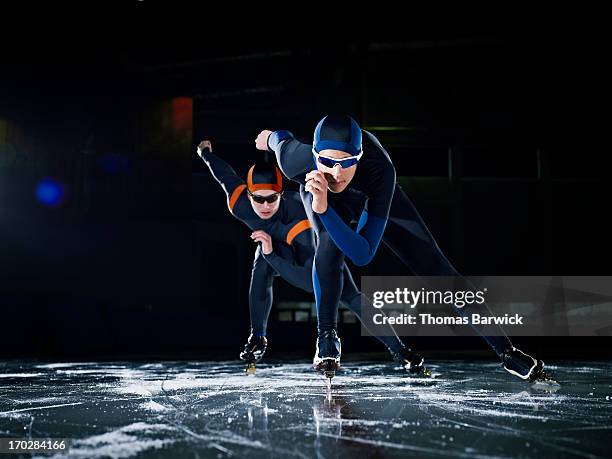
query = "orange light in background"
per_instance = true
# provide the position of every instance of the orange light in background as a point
(167, 128)
(182, 114)
(13, 142)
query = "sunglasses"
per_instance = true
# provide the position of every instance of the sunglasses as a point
(331, 162)
(269, 199)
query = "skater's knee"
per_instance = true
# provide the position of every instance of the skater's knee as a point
(327, 251)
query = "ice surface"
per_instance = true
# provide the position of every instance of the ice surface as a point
(211, 409)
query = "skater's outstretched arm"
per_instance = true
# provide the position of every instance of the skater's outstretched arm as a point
(221, 171)
(297, 275)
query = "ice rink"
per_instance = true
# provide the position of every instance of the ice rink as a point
(211, 409)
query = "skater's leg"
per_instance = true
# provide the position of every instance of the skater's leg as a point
(260, 293)
(352, 298)
(327, 280)
(327, 285)
(409, 238)
(327, 270)
(260, 304)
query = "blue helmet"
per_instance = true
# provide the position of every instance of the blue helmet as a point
(338, 132)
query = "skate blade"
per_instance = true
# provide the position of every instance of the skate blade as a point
(549, 385)
(424, 373)
(328, 367)
(329, 371)
(250, 369)
(423, 378)
(329, 374)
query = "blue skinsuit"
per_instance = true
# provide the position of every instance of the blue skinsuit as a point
(292, 255)
(384, 213)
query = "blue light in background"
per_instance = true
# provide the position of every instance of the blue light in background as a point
(50, 192)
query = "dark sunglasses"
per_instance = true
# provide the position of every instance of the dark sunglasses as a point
(269, 199)
(331, 162)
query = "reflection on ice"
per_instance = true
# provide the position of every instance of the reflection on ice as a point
(191, 409)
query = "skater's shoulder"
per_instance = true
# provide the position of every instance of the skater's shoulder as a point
(370, 139)
(373, 150)
(296, 160)
(239, 205)
(375, 168)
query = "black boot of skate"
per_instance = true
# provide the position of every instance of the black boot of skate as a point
(327, 355)
(524, 366)
(411, 361)
(253, 352)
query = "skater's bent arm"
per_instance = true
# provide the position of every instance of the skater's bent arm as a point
(299, 276)
(361, 245)
(298, 270)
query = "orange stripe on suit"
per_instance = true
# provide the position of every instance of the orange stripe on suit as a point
(235, 195)
(297, 229)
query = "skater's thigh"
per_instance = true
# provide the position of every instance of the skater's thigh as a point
(409, 238)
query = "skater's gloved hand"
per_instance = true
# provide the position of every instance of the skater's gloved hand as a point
(261, 142)
(316, 184)
(265, 240)
(203, 145)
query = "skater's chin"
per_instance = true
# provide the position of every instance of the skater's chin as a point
(337, 186)
(265, 213)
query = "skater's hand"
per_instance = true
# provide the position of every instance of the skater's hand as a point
(265, 239)
(204, 144)
(316, 184)
(261, 142)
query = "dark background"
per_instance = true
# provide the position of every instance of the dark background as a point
(492, 132)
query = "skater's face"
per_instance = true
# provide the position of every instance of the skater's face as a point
(265, 209)
(337, 177)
